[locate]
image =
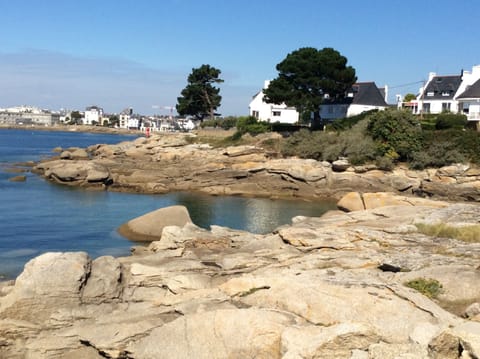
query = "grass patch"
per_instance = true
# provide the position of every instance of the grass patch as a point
(470, 234)
(428, 287)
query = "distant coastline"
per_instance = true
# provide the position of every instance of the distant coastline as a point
(73, 128)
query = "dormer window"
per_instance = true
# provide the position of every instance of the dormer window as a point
(430, 93)
(445, 93)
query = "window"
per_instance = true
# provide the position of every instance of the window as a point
(255, 114)
(430, 93)
(276, 113)
(446, 106)
(445, 93)
(426, 107)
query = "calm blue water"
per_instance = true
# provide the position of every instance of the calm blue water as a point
(37, 216)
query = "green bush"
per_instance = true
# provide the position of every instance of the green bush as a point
(228, 122)
(437, 154)
(384, 163)
(428, 287)
(452, 144)
(304, 144)
(450, 120)
(225, 123)
(398, 133)
(250, 124)
(329, 146)
(348, 122)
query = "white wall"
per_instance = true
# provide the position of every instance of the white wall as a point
(271, 112)
(354, 110)
(91, 116)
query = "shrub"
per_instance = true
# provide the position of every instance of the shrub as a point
(462, 145)
(358, 146)
(450, 120)
(250, 124)
(348, 122)
(329, 146)
(428, 287)
(385, 163)
(304, 144)
(437, 154)
(225, 123)
(396, 132)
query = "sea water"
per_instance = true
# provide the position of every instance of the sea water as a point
(37, 216)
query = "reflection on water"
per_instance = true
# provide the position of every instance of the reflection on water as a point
(257, 215)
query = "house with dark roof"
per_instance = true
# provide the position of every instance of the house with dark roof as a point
(362, 97)
(447, 93)
(469, 102)
(438, 94)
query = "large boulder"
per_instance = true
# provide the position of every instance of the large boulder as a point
(75, 172)
(149, 227)
(47, 283)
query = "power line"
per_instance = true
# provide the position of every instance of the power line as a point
(409, 84)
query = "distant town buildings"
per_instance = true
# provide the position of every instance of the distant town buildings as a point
(93, 116)
(27, 115)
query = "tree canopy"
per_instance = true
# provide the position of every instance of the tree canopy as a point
(200, 98)
(409, 97)
(306, 76)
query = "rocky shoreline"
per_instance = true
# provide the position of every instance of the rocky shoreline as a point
(338, 286)
(172, 162)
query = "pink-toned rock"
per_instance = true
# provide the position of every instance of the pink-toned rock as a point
(352, 201)
(149, 227)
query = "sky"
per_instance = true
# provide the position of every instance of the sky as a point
(69, 54)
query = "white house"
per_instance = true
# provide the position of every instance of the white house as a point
(93, 114)
(362, 97)
(271, 112)
(441, 93)
(124, 118)
(469, 103)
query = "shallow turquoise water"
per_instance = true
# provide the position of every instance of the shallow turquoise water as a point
(37, 216)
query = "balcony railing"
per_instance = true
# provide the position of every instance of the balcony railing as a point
(473, 116)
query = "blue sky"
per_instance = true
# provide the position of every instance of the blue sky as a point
(124, 53)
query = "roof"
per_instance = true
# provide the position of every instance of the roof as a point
(367, 93)
(442, 87)
(362, 93)
(472, 91)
